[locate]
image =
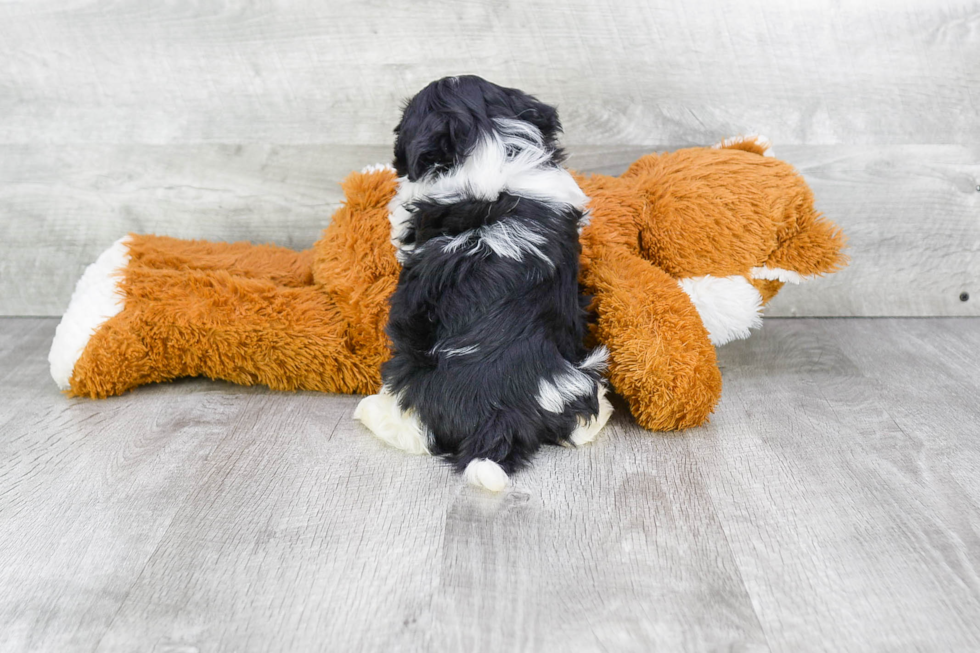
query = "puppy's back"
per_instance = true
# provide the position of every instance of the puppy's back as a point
(488, 328)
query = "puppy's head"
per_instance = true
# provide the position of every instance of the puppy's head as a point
(444, 122)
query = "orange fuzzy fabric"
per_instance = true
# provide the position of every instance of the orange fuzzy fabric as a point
(315, 320)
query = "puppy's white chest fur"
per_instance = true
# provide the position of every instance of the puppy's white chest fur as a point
(511, 160)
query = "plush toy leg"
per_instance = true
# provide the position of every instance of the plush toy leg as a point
(281, 266)
(155, 308)
(354, 261)
(660, 358)
(212, 323)
(99, 295)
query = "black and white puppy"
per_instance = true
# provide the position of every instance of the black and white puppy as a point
(487, 323)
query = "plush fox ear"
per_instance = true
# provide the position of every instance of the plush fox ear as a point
(756, 143)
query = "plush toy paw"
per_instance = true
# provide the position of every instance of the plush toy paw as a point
(729, 306)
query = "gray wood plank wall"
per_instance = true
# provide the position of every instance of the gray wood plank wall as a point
(234, 120)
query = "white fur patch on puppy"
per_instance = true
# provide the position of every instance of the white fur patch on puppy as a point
(778, 274)
(596, 361)
(96, 299)
(449, 352)
(487, 474)
(390, 424)
(563, 388)
(511, 239)
(400, 217)
(514, 159)
(587, 430)
(729, 306)
(763, 142)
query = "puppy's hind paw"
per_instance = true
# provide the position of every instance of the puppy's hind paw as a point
(390, 424)
(487, 474)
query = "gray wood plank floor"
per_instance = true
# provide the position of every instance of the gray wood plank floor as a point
(832, 504)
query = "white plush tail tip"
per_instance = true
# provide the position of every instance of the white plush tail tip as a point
(486, 474)
(96, 299)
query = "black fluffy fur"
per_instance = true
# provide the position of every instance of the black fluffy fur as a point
(443, 122)
(526, 317)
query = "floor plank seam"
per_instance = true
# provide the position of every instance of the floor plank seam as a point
(129, 590)
(731, 552)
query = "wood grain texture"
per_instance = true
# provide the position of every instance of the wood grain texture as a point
(912, 218)
(234, 120)
(831, 501)
(832, 504)
(61, 206)
(911, 213)
(88, 491)
(623, 71)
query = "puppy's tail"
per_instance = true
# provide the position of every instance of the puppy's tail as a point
(483, 472)
(500, 445)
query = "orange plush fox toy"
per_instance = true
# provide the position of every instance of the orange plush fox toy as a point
(681, 253)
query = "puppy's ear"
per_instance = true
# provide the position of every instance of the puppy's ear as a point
(400, 162)
(544, 117)
(441, 140)
(462, 133)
